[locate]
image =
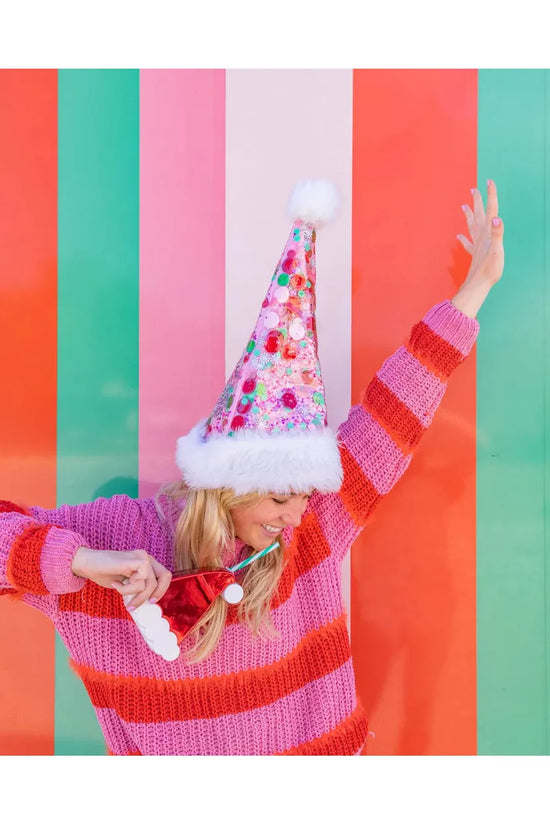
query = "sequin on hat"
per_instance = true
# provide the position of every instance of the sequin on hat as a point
(268, 430)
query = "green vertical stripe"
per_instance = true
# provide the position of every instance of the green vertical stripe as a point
(512, 641)
(98, 305)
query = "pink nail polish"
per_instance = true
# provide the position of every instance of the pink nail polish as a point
(489, 181)
(130, 608)
(496, 221)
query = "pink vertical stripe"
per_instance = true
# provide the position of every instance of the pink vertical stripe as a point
(182, 260)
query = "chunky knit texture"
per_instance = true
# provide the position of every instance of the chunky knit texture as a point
(294, 694)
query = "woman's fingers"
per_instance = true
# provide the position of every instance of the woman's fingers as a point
(495, 256)
(146, 588)
(492, 200)
(469, 215)
(136, 573)
(479, 209)
(479, 220)
(164, 577)
(127, 587)
(149, 582)
(468, 246)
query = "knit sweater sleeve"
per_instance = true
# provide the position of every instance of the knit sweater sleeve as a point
(378, 438)
(37, 545)
(36, 556)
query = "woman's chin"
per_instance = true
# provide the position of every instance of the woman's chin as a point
(268, 538)
(260, 539)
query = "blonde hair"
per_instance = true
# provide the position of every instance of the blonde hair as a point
(203, 533)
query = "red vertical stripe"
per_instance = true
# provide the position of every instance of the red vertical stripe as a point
(413, 569)
(28, 290)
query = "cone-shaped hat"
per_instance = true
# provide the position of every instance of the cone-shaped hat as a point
(268, 430)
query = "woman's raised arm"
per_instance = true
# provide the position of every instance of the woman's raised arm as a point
(379, 437)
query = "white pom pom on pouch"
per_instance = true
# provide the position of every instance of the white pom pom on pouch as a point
(313, 201)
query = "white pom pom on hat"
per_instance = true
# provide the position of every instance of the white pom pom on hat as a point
(313, 201)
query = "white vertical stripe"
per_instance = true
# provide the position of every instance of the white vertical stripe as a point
(283, 126)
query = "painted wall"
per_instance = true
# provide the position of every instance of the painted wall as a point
(141, 215)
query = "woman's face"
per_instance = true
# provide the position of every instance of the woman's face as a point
(259, 525)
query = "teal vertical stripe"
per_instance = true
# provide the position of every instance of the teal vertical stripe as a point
(512, 424)
(98, 322)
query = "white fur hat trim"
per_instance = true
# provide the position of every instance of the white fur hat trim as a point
(252, 461)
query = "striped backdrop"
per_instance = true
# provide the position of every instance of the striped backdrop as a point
(141, 216)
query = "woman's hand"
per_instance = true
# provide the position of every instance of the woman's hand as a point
(130, 573)
(486, 248)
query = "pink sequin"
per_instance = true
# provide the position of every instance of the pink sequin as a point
(249, 385)
(272, 342)
(244, 405)
(289, 400)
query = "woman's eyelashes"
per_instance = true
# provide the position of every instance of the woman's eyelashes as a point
(278, 501)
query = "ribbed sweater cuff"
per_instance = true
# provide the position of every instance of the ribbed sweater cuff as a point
(453, 325)
(56, 560)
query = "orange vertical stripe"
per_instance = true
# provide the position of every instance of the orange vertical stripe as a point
(413, 569)
(28, 275)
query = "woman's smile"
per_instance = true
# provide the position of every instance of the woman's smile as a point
(273, 531)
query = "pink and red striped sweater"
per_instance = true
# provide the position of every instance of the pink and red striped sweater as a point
(294, 694)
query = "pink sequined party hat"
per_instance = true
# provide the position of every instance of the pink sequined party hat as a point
(268, 431)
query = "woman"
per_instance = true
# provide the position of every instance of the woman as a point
(272, 674)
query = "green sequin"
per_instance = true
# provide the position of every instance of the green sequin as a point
(260, 389)
(301, 293)
(283, 279)
(303, 425)
(318, 398)
(290, 425)
(250, 346)
(289, 370)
